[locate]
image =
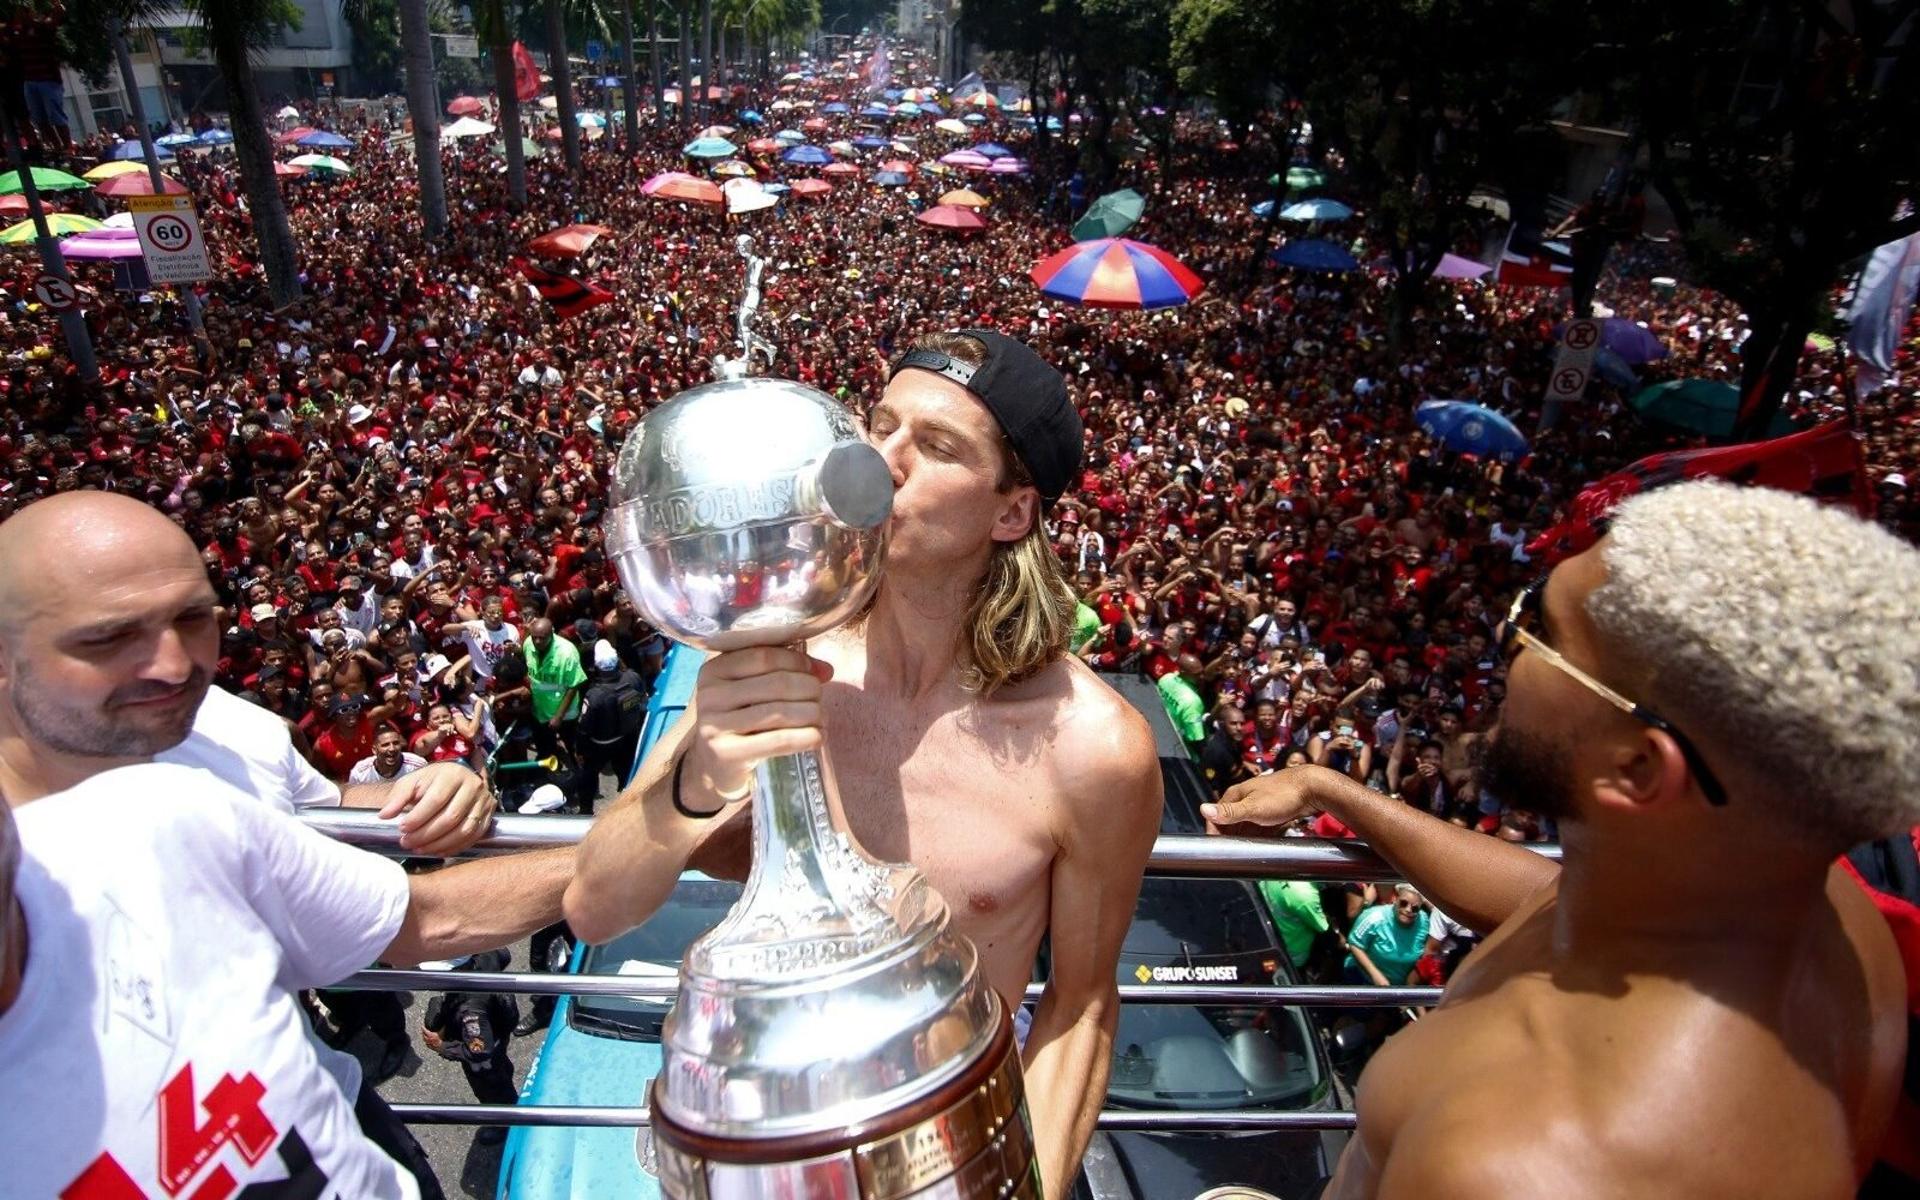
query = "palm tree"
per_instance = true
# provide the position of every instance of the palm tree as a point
(562, 72)
(234, 28)
(494, 24)
(627, 79)
(416, 42)
(653, 57)
(706, 52)
(686, 70)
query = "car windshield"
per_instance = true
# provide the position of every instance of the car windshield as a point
(650, 952)
(1189, 931)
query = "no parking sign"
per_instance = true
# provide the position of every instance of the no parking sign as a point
(170, 239)
(1573, 363)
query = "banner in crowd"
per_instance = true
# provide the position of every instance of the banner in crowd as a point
(1881, 305)
(569, 296)
(1823, 462)
(526, 76)
(879, 69)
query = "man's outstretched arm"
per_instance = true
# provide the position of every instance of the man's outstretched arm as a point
(1477, 880)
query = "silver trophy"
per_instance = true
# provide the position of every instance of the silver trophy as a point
(833, 1037)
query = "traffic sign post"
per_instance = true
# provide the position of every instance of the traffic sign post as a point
(55, 292)
(170, 239)
(1573, 362)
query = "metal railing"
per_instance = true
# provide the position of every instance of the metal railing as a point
(1173, 855)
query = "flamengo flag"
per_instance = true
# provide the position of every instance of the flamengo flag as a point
(1823, 462)
(569, 296)
(526, 76)
(879, 68)
(1880, 307)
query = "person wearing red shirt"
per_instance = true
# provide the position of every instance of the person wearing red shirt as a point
(346, 740)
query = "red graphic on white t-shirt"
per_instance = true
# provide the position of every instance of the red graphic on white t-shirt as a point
(186, 1144)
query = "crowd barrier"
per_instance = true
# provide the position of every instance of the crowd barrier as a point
(1173, 855)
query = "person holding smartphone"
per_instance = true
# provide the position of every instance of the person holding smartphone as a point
(1340, 748)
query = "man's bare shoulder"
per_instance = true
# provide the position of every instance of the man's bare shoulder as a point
(1101, 749)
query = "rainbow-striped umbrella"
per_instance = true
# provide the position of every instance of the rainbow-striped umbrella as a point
(1116, 273)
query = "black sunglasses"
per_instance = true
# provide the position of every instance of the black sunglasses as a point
(1514, 635)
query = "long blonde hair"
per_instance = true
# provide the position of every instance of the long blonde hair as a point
(1021, 617)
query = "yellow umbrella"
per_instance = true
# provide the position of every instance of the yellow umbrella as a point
(949, 125)
(965, 198)
(107, 170)
(58, 223)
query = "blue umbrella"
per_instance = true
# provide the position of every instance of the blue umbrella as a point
(807, 156)
(890, 178)
(1312, 254)
(836, 107)
(1633, 342)
(907, 108)
(894, 93)
(1470, 429)
(928, 106)
(1313, 210)
(709, 147)
(775, 188)
(607, 81)
(179, 139)
(1614, 369)
(216, 137)
(790, 137)
(321, 139)
(130, 151)
(993, 150)
(975, 118)
(751, 117)
(869, 142)
(878, 112)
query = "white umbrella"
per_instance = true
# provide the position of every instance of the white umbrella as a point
(288, 113)
(549, 103)
(746, 195)
(466, 127)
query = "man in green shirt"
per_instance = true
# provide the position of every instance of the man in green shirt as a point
(1086, 626)
(1183, 702)
(554, 670)
(1295, 905)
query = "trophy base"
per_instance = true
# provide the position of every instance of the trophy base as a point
(969, 1140)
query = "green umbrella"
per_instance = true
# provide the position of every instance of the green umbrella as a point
(528, 147)
(1110, 216)
(59, 224)
(1704, 406)
(1300, 177)
(45, 178)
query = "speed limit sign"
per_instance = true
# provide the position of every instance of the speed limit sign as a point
(170, 238)
(55, 292)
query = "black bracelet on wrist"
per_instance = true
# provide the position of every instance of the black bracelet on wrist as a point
(679, 805)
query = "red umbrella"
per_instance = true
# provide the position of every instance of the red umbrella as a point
(138, 184)
(763, 146)
(288, 170)
(569, 241)
(467, 106)
(13, 204)
(896, 164)
(952, 216)
(811, 187)
(694, 191)
(295, 134)
(814, 124)
(841, 168)
(1116, 273)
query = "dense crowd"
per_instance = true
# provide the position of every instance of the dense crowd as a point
(398, 480)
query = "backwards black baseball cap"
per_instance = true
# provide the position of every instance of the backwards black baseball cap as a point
(1027, 397)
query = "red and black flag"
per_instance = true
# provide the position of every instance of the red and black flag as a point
(1823, 462)
(569, 296)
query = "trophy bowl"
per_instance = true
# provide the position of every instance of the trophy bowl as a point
(832, 1036)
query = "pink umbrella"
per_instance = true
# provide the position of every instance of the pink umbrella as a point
(952, 216)
(1452, 266)
(970, 159)
(1007, 166)
(661, 180)
(104, 243)
(138, 184)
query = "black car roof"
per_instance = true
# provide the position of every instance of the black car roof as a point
(1186, 788)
